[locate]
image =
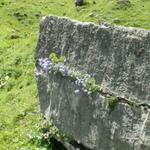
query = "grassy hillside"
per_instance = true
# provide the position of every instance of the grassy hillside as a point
(19, 25)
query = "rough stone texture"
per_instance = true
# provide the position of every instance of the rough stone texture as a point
(119, 59)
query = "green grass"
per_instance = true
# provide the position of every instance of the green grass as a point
(19, 25)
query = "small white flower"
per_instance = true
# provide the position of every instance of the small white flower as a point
(85, 90)
(88, 92)
(77, 91)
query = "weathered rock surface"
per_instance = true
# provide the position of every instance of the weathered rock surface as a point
(119, 60)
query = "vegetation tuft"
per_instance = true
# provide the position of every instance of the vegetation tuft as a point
(57, 60)
(112, 102)
(92, 86)
(45, 134)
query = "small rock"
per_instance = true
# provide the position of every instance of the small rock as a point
(80, 2)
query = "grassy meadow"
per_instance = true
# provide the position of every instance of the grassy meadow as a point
(19, 27)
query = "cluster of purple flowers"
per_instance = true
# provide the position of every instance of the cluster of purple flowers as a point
(84, 83)
(80, 79)
(63, 70)
(45, 63)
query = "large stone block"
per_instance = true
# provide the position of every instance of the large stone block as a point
(118, 59)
